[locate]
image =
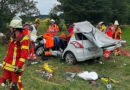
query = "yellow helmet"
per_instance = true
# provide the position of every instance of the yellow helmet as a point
(16, 22)
(37, 20)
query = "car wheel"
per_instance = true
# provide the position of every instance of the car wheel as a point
(39, 50)
(70, 58)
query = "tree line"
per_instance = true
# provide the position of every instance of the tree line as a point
(93, 11)
(10, 8)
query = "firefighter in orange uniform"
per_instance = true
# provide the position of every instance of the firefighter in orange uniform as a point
(109, 34)
(117, 36)
(109, 30)
(70, 30)
(13, 64)
(53, 29)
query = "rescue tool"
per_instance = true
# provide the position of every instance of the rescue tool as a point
(46, 71)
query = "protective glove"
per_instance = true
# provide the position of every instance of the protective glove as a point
(17, 70)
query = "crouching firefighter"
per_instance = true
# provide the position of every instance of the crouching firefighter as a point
(13, 64)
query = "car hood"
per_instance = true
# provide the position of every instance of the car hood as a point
(94, 35)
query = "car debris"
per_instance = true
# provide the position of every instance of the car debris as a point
(69, 76)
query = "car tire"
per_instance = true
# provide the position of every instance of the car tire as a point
(70, 58)
(39, 50)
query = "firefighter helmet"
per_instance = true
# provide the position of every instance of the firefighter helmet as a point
(100, 22)
(116, 22)
(52, 20)
(16, 23)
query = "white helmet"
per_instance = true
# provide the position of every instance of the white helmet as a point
(116, 22)
(16, 22)
(52, 20)
(100, 22)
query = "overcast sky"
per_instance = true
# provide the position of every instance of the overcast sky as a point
(44, 6)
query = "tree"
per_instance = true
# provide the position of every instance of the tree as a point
(53, 14)
(94, 10)
(10, 8)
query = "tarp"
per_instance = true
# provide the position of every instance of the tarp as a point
(94, 35)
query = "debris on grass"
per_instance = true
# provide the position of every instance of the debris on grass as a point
(72, 69)
(69, 76)
(88, 75)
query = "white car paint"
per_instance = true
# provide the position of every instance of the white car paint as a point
(89, 50)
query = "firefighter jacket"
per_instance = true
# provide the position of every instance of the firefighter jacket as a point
(70, 29)
(49, 40)
(26, 30)
(103, 27)
(53, 30)
(117, 34)
(109, 32)
(17, 53)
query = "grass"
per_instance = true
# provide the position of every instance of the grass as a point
(116, 68)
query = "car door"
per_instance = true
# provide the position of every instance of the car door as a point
(89, 48)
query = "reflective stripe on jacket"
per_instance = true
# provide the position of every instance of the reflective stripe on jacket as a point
(18, 49)
(117, 34)
(53, 30)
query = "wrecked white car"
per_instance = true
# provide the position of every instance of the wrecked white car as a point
(87, 43)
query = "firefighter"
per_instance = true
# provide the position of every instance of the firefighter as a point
(70, 30)
(26, 29)
(53, 29)
(109, 30)
(101, 26)
(31, 49)
(37, 19)
(117, 36)
(13, 64)
(109, 34)
(32, 32)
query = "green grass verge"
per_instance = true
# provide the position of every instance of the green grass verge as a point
(116, 68)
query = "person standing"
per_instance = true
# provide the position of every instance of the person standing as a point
(101, 26)
(109, 34)
(13, 64)
(117, 35)
(53, 29)
(109, 30)
(32, 32)
(70, 30)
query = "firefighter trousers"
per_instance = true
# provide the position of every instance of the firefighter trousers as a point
(14, 80)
